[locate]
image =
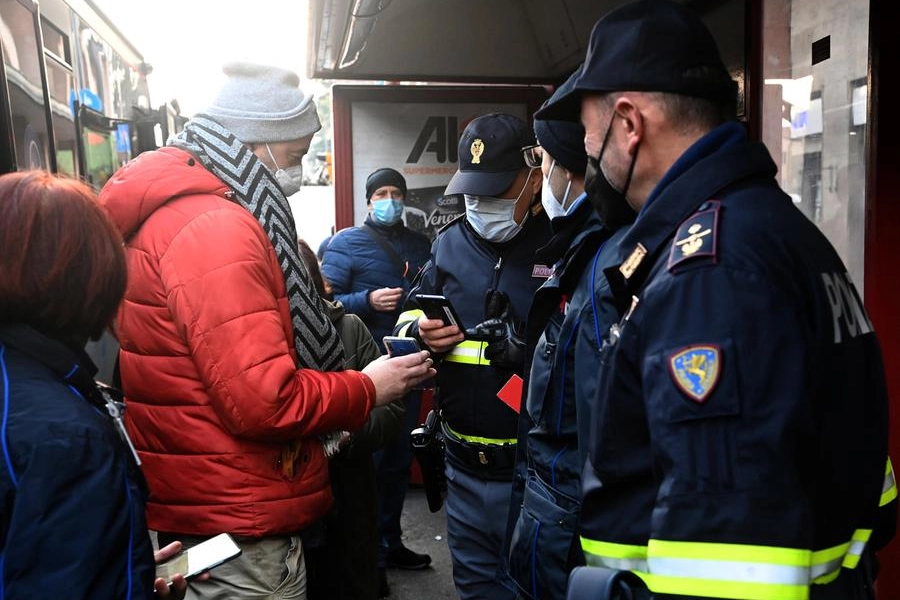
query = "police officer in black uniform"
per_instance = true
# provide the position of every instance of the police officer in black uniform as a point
(563, 340)
(484, 263)
(739, 440)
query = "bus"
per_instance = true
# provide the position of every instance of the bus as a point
(74, 101)
(73, 92)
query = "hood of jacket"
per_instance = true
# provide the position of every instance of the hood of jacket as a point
(152, 179)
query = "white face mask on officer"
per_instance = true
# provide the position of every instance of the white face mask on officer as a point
(289, 179)
(552, 206)
(492, 218)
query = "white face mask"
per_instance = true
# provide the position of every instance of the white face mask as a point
(553, 206)
(289, 179)
(493, 218)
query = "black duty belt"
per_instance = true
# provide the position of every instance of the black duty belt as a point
(487, 461)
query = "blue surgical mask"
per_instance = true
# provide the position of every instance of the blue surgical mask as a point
(387, 211)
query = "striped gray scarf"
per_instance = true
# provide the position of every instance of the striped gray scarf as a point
(317, 342)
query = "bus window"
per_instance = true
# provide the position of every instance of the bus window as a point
(62, 92)
(106, 144)
(21, 57)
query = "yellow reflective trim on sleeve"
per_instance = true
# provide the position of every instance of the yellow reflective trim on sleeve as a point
(406, 319)
(889, 487)
(856, 547)
(481, 440)
(615, 556)
(729, 552)
(739, 571)
(712, 588)
(468, 352)
(409, 316)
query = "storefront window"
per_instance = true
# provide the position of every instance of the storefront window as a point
(815, 62)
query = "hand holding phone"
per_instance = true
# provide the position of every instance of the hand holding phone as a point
(439, 307)
(200, 558)
(401, 346)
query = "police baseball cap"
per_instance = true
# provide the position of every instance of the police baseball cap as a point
(648, 46)
(490, 155)
(563, 140)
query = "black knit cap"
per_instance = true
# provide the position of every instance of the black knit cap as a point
(490, 155)
(383, 177)
(648, 46)
(563, 140)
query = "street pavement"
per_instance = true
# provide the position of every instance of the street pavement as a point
(423, 531)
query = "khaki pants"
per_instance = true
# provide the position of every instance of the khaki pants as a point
(267, 569)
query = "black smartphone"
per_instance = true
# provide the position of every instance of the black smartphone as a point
(400, 346)
(438, 307)
(200, 558)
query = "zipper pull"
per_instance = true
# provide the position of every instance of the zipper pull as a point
(499, 264)
(115, 410)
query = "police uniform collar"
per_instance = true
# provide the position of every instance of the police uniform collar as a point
(682, 196)
(566, 232)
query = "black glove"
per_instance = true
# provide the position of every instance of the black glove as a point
(507, 353)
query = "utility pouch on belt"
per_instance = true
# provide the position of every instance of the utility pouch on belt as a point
(427, 442)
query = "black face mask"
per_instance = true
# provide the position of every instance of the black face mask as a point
(608, 201)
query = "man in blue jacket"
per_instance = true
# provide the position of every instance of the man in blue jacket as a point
(739, 438)
(370, 268)
(563, 341)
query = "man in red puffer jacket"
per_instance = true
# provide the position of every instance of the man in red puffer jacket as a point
(231, 367)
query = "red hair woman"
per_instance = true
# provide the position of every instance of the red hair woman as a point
(71, 493)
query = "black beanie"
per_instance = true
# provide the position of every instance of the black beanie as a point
(563, 140)
(383, 177)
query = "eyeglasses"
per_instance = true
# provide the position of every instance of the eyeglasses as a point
(533, 156)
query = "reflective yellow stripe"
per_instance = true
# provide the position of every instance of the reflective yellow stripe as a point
(468, 352)
(481, 440)
(714, 588)
(737, 571)
(889, 487)
(407, 318)
(856, 547)
(615, 556)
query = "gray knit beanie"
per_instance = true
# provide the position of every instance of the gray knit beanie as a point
(263, 104)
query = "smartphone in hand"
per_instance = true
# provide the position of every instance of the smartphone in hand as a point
(200, 558)
(439, 307)
(400, 346)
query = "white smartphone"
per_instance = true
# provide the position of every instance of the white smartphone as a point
(200, 558)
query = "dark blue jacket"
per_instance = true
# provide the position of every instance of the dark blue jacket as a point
(740, 427)
(71, 496)
(563, 338)
(355, 264)
(463, 268)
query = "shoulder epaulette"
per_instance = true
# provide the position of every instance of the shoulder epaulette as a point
(696, 236)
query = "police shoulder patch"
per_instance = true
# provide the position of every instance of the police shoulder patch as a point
(696, 237)
(696, 370)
